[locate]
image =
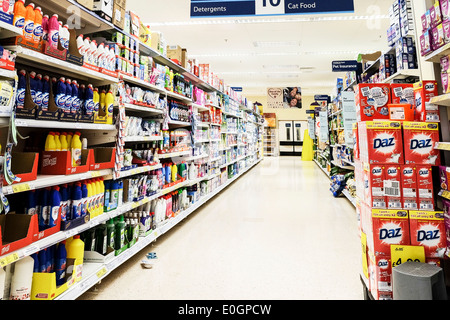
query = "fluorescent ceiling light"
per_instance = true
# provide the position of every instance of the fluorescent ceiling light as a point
(278, 53)
(265, 20)
(276, 44)
(287, 66)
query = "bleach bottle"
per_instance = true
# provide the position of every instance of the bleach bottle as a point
(85, 199)
(61, 263)
(45, 19)
(89, 104)
(55, 206)
(60, 98)
(42, 257)
(76, 200)
(64, 202)
(69, 96)
(53, 32)
(38, 90)
(75, 107)
(31, 203)
(29, 22)
(21, 88)
(45, 92)
(44, 208)
(20, 13)
(33, 82)
(37, 31)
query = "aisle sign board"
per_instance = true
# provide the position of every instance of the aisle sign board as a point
(344, 66)
(217, 8)
(349, 116)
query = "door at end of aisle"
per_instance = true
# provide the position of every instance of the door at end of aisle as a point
(291, 134)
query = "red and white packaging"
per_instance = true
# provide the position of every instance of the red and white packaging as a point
(424, 91)
(381, 142)
(392, 186)
(380, 276)
(409, 187)
(374, 176)
(425, 189)
(427, 229)
(388, 227)
(355, 142)
(419, 139)
(359, 179)
(372, 101)
(402, 93)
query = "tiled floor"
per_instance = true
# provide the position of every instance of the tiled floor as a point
(276, 233)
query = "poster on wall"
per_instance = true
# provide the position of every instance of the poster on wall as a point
(284, 98)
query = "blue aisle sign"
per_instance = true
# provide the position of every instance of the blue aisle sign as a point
(217, 8)
(345, 66)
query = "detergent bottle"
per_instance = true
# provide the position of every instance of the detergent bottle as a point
(69, 96)
(21, 88)
(102, 102)
(63, 140)
(38, 90)
(110, 230)
(89, 100)
(109, 108)
(29, 22)
(64, 35)
(20, 13)
(94, 52)
(55, 206)
(33, 81)
(89, 196)
(75, 107)
(64, 202)
(96, 100)
(76, 150)
(81, 96)
(61, 263)
(69, 141)
(38, 31)
(31, 203)
(57, 141)
(45, 19)
(44, 208)
(53, 31)
(76, 200)
(50, 144)
(45, 92)
(101, 55)
(75, 249)
(88, 51)
(61, 97)
(21, 279)
(80, 45)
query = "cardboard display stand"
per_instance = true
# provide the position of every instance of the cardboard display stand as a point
(24, 165)
(17, 231)
(102, 158)
(60, 162)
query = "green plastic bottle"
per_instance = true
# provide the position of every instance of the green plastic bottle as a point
(120, 235)
(110, 231)
(101, 241)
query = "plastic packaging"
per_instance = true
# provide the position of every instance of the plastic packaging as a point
(61, 263)
(76, 150)
(45, 19)
(60, 98)
(29, 22)
(57, 142)
(75, 249)
(53, 32)
(22, 279)
(50, 144)
(63, 140)
(20, 13)
(69, 97)
(55, 207)
(64, 202)
(76, 200)
(37, 31)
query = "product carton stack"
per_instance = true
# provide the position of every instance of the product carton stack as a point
(394, 160)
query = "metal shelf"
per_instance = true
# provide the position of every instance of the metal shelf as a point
(30, 123)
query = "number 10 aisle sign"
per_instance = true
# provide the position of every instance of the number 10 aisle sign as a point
(216, 8)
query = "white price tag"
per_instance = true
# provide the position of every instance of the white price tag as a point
(269, 7)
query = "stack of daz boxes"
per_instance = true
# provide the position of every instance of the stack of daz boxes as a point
(393, 170)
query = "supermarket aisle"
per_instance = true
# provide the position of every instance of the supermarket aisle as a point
(276, 233)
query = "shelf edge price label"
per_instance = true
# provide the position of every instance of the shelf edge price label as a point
(101, 272)
(402, 254)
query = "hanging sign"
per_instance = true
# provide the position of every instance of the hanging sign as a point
(217, 8)
(344, 66)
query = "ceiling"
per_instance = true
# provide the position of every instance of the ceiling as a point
(297, 50)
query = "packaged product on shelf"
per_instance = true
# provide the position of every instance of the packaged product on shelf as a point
(424, 91)
(425, 188)
(427, 229)
(372, 101)
(392, 186)
(409, 187)
(419, 141)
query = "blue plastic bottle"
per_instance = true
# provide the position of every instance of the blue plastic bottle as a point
(89, 104)
(42, 257)
(55, 206)
(81, 97)
(36, 262)
(60, 263)
(69, 96)
(31, 203)
(168, 174)
(38, 88)
(48, 260)
(76, 200)
(33, 83)
(45, 92)
(21, 87)
(75, 107)
(69, 202)
(44, 208)
(60, 98)
(107, 195)
(64, 198)
(84, 198)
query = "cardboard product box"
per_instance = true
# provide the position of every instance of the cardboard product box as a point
(423, 92)
(419, 141)
(104, 8)
(24, 165)
(102, 158)
(392, 186)
(175, 53)
(17, 231)
(387, 227)
(426, 40)
(427, 229)
(402, 93)
(373, 182)
(60, 162)
(372, 101)
(425, 188)
(444, 177)
(409, 187)
(184, 58)
(118, 18)
(156, 41)
(88, 4)
(380, 276)
(381, 142)
(445, 10)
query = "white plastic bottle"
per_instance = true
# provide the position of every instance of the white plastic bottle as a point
(2, 281)
(22, 279)
(81, 45)
(64, 36)
(101, 55)
(94, 52)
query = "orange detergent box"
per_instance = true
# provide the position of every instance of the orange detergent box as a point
(427, 229)
(372, 100)
(424, 91)
(419, 139)
(381, 142)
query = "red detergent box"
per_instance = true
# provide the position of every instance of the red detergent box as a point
(380, 276)
(425, 188)
(409, 187)
(372, 100)
(374, 176)
(388, 227)
(402, 93)
(427, 229)
(381, 142)
(419, 139)
(392, 186)
(424, 91)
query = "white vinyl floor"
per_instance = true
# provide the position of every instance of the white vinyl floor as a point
(276, 233)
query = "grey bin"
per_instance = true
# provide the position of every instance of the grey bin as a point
(418, 281)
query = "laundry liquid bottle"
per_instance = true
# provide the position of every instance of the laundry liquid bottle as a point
(76, 150)
(55, 206)
(37, 31)
(61, 263)
(21, 88)
(22, 278)
(29, 22)
(57, 142)
(45, 19)
(76, 200)
(50, 144)
(60, 98)
(75, 107)
(53, 32)
(20, 13)
(45, 92)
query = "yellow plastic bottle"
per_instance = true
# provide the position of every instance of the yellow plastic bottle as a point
(109, 101)
(75, 250)
(102, 196)
(69, 140)
(174, 172)
(102, 110)
(57, 142)
(97, 196)
(63, 140)
(76, 149)
(50, 144)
